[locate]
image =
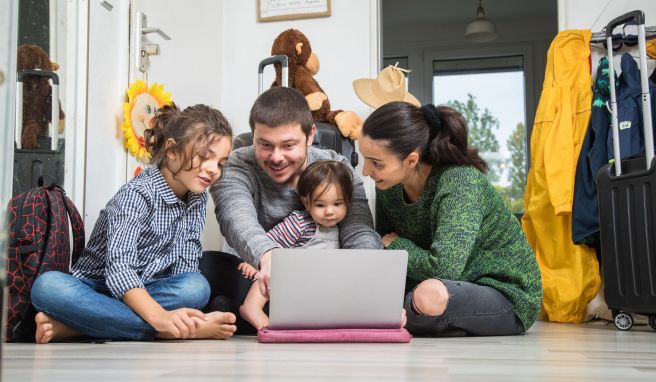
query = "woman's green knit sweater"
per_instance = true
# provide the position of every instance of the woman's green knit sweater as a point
(460, 229)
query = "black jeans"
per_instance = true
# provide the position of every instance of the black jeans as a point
(471, 310)
(227, 284)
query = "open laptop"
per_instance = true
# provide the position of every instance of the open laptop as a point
(336, 288)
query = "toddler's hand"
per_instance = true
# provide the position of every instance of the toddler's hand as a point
(247, 270)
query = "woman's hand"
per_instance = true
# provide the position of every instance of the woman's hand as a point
(389, 238)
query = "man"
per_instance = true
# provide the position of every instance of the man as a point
(258, 188)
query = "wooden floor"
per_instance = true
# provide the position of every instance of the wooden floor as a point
(591, 352)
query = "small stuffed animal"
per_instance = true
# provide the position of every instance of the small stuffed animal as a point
(303, 65)
(37, 98)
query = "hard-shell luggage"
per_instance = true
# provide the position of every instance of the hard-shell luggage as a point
(627, 208)
(327, 136)
(46, 162)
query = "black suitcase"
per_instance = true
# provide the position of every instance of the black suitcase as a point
(627, 211)
(46, 162)
(327, 136)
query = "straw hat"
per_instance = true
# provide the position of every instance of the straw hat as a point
(388, 86)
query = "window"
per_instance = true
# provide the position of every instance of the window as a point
(489, 93)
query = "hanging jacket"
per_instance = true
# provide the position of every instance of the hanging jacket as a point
(629, 110)
(570, 273)
(594, 155)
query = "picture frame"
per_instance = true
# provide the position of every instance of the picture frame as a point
(279, 10)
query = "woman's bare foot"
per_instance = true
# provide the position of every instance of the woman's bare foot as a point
(49, 329)
(219, 326)
(254, 315)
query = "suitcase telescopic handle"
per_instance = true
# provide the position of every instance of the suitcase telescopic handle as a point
(279, 59)
(54, 113)
(639, 17)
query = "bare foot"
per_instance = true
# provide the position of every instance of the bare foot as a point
(404, 318)
(219, 326)
(254, 315)
(49, 329)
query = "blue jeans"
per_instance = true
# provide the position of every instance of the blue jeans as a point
(88, 307)
(472, 309)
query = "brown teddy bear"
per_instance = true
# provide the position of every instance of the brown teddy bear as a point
(37, 98)
(303, 65)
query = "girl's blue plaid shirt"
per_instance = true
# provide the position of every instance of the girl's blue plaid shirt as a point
(145, 232)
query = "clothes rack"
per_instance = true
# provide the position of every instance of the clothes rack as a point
(599, 37)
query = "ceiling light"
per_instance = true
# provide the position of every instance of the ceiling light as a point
(480, 29)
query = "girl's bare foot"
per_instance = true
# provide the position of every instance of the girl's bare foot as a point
(49, 329)
(254, 315)
(219, 326)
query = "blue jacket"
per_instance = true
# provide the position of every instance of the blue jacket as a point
(629, 110)
(593, 155)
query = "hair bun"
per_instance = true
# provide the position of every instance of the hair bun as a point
(432, 116)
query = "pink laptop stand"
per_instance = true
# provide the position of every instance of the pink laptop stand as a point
(266, 335)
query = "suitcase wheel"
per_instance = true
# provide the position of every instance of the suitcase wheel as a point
(652, 321)
(623, 321)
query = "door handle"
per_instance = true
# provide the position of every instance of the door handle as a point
(144, 47)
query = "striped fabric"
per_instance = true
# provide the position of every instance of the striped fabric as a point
(294, 230)
(145, 232)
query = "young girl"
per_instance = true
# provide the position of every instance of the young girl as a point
(138, 277)
(325, 189)
(470, 268)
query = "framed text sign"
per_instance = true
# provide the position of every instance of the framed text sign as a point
(276, 10)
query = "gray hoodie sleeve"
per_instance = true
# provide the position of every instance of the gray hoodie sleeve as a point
(236, 212)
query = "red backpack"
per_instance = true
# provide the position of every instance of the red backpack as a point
(38, 242)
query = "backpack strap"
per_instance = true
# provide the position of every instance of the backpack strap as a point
(78, 229)
(77, 224)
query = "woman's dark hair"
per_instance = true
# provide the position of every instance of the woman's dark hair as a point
(280, 106)
(439, 133)
(320, 174)
(199, 125)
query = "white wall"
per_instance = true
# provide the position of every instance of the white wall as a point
(595, 14)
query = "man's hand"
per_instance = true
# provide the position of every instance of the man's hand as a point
(264, 275)
(389, 238)
(179, 322)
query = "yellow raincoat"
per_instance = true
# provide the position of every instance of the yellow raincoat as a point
(570, 273)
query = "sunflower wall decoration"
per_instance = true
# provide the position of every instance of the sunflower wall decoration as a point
(138, 112)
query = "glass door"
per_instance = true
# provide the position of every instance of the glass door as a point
(489, 93)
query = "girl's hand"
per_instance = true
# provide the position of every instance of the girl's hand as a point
(389, 238)
(179, 322)
(247, 270)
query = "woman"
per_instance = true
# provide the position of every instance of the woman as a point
(470, 268)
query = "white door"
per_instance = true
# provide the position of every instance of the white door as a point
(106, 162)
(8, 32)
